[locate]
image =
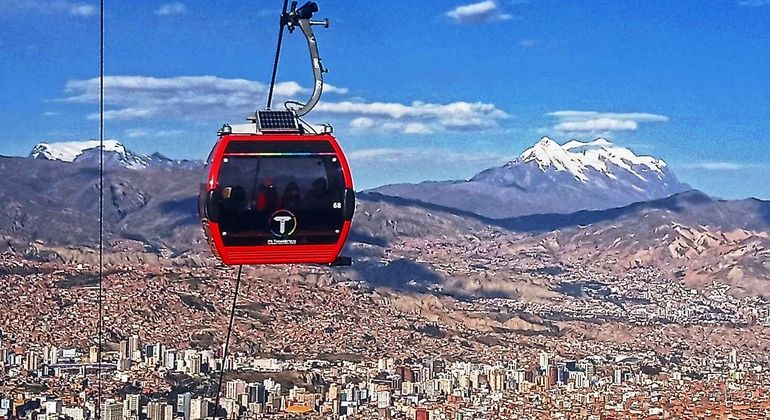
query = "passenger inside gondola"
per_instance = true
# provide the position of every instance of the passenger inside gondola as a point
(267, 196)
(292, 200)
(318, 196)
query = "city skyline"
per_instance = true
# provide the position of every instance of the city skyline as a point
(456, 88)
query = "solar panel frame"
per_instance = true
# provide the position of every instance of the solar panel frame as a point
(281, 121)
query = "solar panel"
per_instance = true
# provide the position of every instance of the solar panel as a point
(277, 121)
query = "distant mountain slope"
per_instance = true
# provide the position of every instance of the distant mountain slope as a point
(57, 203)
(690, 236)
(549, 178)
(49, 209)
(690, 208)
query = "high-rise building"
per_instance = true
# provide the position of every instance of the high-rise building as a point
(32, 362)
(383, 397)
(156, 410)
(132, 406)
(50, 355)
(133, 344)
(231, 407)
(111, 410)
(581, 379)
(75, 413)
(123, 364)
(194, 364)
(553, 376)
(235, 388)
(496, 380)
(257, 393)
(183, 402)
(93, 354)
(158, 351)
(169, 360)
(545, 360)
(124, 352)
(618, 377)
(199, 408)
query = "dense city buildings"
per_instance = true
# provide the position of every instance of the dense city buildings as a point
(546, 386)
(310, 343)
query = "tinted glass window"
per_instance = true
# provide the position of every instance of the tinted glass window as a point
(280, 198)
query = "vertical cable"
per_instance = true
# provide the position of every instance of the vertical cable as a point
(277, 56)
(100, 326)
(227, 340)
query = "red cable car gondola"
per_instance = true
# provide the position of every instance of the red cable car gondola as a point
(276, 191)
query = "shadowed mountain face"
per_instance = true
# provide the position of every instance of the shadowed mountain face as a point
(49, 209)
(552, 178)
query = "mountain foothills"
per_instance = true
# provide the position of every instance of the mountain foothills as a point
(552, 178)
(519, 230)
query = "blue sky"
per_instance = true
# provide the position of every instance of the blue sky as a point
(422, 90)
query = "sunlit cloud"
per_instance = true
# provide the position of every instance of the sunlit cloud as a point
(592, 123)
(48, 7)
(170, 9)
(725, 166)
(481, 12)
(754, 3)
(204, 98)
(423, 156)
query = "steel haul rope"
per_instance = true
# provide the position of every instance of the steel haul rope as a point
(227, 340)
(100, 323)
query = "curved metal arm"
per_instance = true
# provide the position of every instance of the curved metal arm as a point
(315, 60)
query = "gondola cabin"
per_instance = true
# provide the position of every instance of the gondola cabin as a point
(273, 193)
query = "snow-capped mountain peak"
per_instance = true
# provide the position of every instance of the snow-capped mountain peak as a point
(579, 158)
(68, 151)
(553, 178)
(549, 154)
(116, 154)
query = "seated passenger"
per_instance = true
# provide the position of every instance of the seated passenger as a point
(318, 196)
(234, 207)
(267, 196)
(291, 198)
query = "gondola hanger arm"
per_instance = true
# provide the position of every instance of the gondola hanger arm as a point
(302, 18)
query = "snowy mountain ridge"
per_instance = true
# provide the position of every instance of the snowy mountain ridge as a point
(552, 178)
(116, 154)
(68, 151)
(576, 157)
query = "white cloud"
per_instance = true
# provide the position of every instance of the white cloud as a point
(48, 7)
(361, 123)
(422, 156)
(82, 10)
(636, 116)
(204, 98)
(184, 97)
(418, 117)
(723, 166)
(598, 125)
(170, 9)
(754, 3)
(593, 123)
(485, 11)
(145, 132)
